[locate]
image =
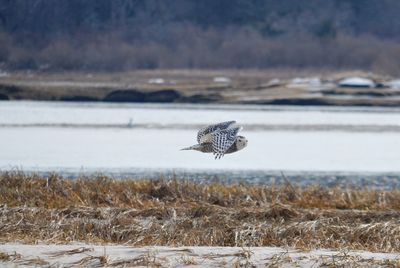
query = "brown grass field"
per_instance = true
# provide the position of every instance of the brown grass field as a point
(164, 212)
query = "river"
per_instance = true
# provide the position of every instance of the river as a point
(147, 138)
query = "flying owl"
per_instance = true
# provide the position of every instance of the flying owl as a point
(219, 139)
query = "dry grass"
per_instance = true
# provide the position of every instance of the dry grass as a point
(184, 213)
(7, 257)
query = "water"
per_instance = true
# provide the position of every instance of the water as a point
(143, 139)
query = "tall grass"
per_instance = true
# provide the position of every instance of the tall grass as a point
(174, 212)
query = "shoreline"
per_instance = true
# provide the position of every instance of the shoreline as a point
(341, 179)
(254, 87)
(89, 255)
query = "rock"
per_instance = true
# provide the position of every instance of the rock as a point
(355, 94)
(78, 98)
(370, 94)
(125, 96)
(10, 89)
(201, 98)
(356, 82)
(381, 85)
(4, 97)
(166, 95)
(298, 101)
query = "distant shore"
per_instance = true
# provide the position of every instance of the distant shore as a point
(273, 87)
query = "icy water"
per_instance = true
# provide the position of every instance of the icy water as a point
(143, 140)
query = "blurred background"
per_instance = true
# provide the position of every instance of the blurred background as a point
(107, 35)
(119, 86)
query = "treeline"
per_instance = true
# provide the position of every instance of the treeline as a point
(115, 35)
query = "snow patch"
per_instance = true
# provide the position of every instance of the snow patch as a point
(121, 256)
(4, 74)
(356, 82)
(311, 83)
(221, 79)
(156, 81)
(394, 84)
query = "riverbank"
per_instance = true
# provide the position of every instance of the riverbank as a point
(274, 87)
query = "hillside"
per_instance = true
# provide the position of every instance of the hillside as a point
(108, 35)
(268, 17)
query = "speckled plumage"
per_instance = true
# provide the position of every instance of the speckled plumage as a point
(205, 134)
(219, 139)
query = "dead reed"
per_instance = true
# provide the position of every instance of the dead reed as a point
(184, 213)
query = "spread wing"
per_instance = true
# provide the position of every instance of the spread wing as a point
(223, 140)
(205, 134)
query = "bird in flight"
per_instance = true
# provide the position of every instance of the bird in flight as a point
(219, 139)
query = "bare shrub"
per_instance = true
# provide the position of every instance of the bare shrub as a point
(188, 46)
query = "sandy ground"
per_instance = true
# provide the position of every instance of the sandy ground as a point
(85, 255)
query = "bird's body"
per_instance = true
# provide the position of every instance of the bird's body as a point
(219, 139)
(207, 147)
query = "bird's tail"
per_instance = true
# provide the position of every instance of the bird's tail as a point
(193, 147)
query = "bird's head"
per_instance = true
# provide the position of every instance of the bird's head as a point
(241, 142)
